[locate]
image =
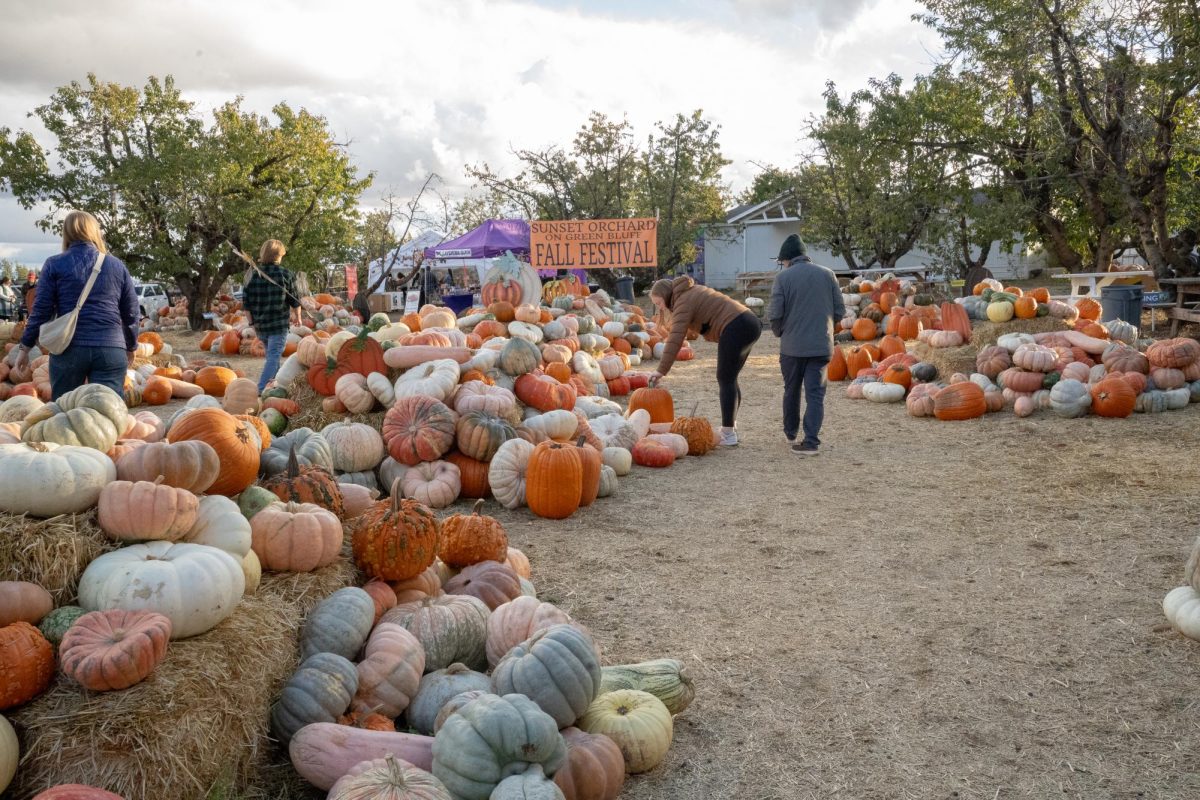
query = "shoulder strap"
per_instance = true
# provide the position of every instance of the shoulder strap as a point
(87, 289)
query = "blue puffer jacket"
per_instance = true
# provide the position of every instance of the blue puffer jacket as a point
(109, 317)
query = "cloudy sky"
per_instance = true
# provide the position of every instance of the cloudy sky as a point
(430, 85)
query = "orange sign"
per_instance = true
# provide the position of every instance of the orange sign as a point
(593, 243)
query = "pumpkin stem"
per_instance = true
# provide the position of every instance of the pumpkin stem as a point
(478, 505)
(158, 481)
(397, 492)
(695, 406)
(293, 467)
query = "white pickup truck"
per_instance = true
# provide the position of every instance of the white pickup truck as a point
(151, 297)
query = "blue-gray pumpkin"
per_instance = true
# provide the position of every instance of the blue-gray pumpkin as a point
(439, 687)
(339, 624)
(319, 691)
(492, 738)
(558, 668)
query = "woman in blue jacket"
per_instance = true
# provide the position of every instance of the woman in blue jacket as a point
(107, 329)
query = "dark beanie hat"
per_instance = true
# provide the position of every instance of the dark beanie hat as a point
(792, 247)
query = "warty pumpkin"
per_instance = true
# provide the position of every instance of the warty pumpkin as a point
(28, 661)
(395, 539)
(468, 539)
(107, 650)
(311, 484)
(697, 431)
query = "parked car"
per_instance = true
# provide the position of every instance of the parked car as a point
(151, 298)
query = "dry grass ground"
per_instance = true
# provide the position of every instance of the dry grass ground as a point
(926, 610)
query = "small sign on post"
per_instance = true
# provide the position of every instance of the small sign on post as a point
(351, 280)
(412, 301)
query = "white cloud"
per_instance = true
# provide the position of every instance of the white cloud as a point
(428, 85)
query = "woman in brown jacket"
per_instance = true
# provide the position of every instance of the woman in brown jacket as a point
(718, 319)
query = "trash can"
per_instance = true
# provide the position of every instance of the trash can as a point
(593, 287)
(625, 289)
(1121, 302)
(458, 303)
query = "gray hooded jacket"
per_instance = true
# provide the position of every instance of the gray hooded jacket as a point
(806, 304)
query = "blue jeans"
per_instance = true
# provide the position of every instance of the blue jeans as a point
(808, 373)
(275, 344)
(81, 363)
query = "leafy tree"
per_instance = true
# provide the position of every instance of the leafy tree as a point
(874, 182)
(771, 182)
(178, 198)
(1086, 106)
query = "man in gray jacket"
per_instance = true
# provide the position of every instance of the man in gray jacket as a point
(806, 304)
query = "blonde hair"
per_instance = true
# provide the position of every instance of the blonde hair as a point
(272, 252)
(80, 226)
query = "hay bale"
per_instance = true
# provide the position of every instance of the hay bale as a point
(200, 721)
(948, 360)
(313, 416)
(984, 334)
(51, 552)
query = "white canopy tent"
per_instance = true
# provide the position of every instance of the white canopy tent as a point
(403, 258)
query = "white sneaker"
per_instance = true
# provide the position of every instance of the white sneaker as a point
(729, 439)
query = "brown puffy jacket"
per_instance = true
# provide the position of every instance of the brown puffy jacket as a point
(696, 308)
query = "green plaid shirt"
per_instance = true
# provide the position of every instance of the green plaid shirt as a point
(268, 303)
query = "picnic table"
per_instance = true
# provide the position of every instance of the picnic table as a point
(921, 273)
(1184, 309)
(1089, 284)
(747, 282)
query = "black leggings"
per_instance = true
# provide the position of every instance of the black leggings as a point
(733, 348)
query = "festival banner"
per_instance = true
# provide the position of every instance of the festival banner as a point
(593, 243)
(351, 280)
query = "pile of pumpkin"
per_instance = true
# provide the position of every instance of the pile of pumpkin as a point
(170, 318)
(165, 494)
(234, 335)
(1094, 367)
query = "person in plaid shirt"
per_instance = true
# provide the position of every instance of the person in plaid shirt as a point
(270, 301)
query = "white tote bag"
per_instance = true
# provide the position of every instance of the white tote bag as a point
(55, 336)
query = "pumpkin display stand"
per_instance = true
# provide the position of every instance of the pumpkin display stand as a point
(200, 721)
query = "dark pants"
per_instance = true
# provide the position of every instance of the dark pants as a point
(733, 348)
(81, 363)
(809, 373)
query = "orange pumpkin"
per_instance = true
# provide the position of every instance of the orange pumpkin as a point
(231, 343)
(959, 401)
(891, 345)
(909, 327)
(836, 370)
(864, 330)
(207, 340)
(395, 539)
(157, 391)
(473, 475)
(28, 661)
(1040, 295)
(554, 480)
(1025, 307)
(169, 372)
(214, 380)
(1088, 308)
(502, 310)
(153, 339)
(412, 321)
(898, 374)
(106, 650)
(858, 359)
(237, 447)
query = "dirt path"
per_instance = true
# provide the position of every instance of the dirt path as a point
(926, 610)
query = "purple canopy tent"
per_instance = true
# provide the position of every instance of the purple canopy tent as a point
(490, 240)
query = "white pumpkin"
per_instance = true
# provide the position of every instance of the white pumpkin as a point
(880, 392)
(557, 424)
(618, 459)
(10, 752)
(611, 367)
(45, 479)
(524, 330)
(436, 379)
(1011, 341)
(335, 342)
(612, 329)
(18, 407)
(381, 388)
(390, 471)
(220, 524)
(91, 416)
(390, 333)
(585, 365)
(608, 481)
(639, 420)
(356, 447)
(193, 585)
(506, 472)
(484, 359)
(982, 381)
(613, 430)
(592, 406)
(1182, 608)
